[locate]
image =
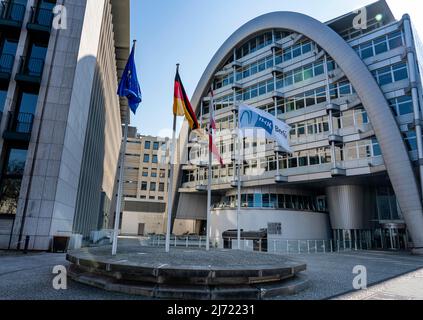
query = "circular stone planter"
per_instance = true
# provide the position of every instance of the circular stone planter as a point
(188, 273)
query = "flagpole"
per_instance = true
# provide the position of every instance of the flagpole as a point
(121, 177)
(120, 187)
(238, 213)
(170, 187)
(209, 183)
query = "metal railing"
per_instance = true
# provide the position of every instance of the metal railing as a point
(41, 16)
(20, 122)
(6, 62)
(12, 11)
(32, 67)
(269, 245)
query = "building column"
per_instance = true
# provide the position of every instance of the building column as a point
(412, 68)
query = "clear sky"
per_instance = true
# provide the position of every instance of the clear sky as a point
(191, 31)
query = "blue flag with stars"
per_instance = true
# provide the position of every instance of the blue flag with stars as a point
(129, 86)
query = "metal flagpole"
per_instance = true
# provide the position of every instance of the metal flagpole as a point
(211, 111)
(120, 186)
(170, 187)
(239, 192)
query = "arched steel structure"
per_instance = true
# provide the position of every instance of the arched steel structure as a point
(393, 148)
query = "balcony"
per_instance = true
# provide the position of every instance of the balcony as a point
(30, 70)
(41, 20)
(19, 126)
(6, 65)
(11, 14)
(337, 140)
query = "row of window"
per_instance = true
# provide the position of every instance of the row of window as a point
(160, 198)
(391, 73)
(147, 145)
(153, 174)
(380, 45)
(277, 201)
(254, 44)
(266, 63)
(153, 186)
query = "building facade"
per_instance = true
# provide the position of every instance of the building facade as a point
(61, 119)
(145, 189)
(353, 98)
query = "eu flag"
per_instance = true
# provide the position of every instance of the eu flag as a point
(129, 86)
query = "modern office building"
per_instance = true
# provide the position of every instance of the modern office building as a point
(352, 95)
(145, 187)
(61, 117)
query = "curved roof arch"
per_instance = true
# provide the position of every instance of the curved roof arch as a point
(395, 154)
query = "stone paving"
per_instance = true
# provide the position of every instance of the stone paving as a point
(30, 277)
(406, 287)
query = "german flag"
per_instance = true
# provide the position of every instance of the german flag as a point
(181, 104)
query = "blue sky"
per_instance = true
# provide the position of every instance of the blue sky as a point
(191, 31)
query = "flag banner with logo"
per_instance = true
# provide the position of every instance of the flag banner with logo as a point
(258, 120)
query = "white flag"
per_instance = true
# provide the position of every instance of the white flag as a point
(253, 118)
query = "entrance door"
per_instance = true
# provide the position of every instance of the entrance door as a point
(141, 229)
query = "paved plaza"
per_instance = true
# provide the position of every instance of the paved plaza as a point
(30, 277)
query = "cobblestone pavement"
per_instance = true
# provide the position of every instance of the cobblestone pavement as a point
(28, 277)
(406, 287)
(332, 274)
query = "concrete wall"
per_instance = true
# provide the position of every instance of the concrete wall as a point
(184, 226)
(153, 223)
(296, 225)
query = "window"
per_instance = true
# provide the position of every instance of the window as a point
(318, 69)
(299, 101)
(402, 105)
(161, 187)
(376, 148)
(384, 76)
(147, 145)
(410, 140)
(3, 95)
(381, 45)
(154, 173)
(143, 186)
(145, 172)
(395, 40)
(146, 158)
(274, 228)
(152, 186)
(366, 50)
(308, 73)
(155, 159)
(162, 173)
(156, 145)
(400, 72)
(298, 76)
